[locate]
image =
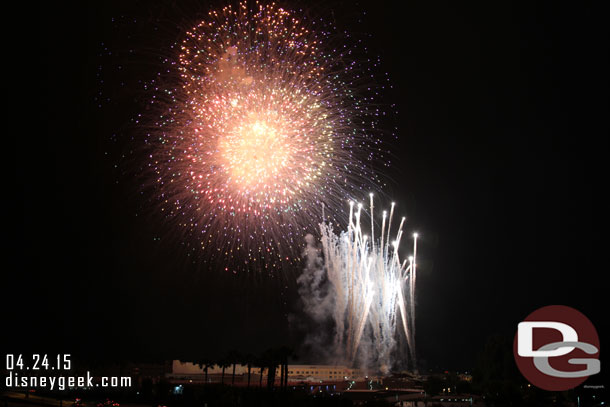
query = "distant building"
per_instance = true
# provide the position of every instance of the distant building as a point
(188, 372)
(323, 372)
(153, 372)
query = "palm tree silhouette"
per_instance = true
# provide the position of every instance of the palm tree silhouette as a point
(260, 363)
(223, 363)
(233, 357)
(247, 360)
(205, 363)
(283, 354)
(271, 358)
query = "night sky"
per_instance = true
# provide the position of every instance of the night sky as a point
(499, 165)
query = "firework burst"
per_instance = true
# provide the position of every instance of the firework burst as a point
(262, 125)
(372, 290)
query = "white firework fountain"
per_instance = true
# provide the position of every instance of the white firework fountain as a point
(374, 291)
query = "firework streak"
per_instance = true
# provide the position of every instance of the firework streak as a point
(372, 287)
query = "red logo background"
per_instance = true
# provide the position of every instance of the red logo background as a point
(586, 333)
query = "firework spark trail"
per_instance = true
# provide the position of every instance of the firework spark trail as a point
(369, 282)
(263, 123)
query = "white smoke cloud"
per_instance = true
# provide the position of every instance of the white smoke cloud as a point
(318, 301)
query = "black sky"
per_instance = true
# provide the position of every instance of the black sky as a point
(500, 165)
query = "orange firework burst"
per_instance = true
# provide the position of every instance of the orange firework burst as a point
(262, 128)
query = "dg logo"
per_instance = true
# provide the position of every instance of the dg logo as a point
(556, 348)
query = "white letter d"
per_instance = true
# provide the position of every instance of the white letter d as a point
(525, 338)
